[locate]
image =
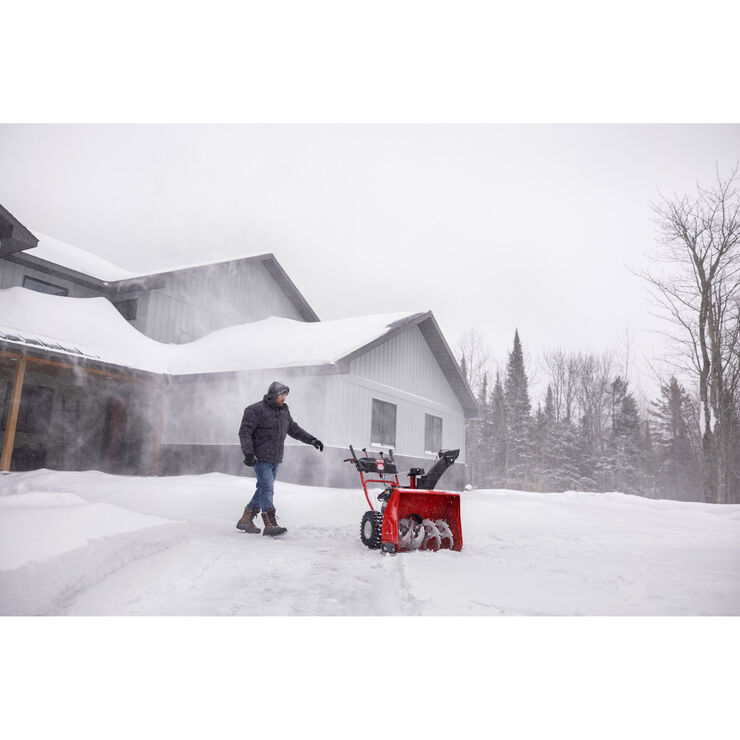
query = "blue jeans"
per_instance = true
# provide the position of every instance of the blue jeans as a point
(262, 499)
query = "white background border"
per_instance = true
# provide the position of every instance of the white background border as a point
(369, 62)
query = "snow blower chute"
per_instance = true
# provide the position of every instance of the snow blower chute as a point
(415, 517)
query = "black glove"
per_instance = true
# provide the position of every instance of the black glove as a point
(318, 444)
(250, 459)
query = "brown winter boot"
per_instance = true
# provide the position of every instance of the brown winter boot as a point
(271, 526)
(246, 523)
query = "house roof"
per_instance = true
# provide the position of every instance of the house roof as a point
(111, 280)
(14, 236)
(92, 330)
(78, 260)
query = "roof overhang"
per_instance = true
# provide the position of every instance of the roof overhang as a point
(14, 236)
(73, 363)
(278, 274)
(20, 257)
(285, 372)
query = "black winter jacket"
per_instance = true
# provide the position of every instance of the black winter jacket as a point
(263, 430)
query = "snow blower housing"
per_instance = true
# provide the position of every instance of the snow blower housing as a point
(415, 517)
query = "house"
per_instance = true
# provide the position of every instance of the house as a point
(149, 373)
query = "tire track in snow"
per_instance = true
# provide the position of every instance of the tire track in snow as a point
(312, 571)
(408, 604)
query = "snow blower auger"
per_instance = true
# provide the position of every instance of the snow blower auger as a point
(410, 518)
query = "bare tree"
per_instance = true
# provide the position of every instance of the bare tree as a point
(698, 288)
(475, 355)
(475, 362)
(625, 349)
(593, 392)
(563, 368)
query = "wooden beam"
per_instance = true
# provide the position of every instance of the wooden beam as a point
(12, 418)
(71, 366)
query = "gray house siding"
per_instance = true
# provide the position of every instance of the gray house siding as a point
(216, 403)
(195, 302)
(203, 415)
(404, 371)
(343, 415)
(350, 418)
(12, 274)
(405, 362)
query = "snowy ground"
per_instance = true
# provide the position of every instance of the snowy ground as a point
(90, 544)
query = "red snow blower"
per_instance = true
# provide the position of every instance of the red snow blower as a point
(412, 518)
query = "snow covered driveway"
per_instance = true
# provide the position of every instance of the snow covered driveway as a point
(90, 543)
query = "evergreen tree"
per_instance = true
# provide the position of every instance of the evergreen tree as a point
(622, 462)
(539, 433)
(563, 459)
(473, 429)
(543, 442)
(485, 436)
(649, 462)
(499, 435)
(588, 456)
(678, 464)
(627, 446)
(516, 394)
(549, 405)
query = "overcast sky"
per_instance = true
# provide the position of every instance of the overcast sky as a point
(489, 226)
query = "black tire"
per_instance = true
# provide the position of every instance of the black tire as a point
(371, 528)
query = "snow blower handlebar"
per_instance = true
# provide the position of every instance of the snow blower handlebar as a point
(382, 466)
(374, 465)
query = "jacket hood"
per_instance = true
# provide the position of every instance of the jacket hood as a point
(275, 389)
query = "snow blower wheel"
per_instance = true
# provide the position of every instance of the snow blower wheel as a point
(371, 529)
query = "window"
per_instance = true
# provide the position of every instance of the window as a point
(34, 415)
(127, 308)
(432, 433)
(42, 286)
(383, 430)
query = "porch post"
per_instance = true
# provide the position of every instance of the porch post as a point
(12, 419)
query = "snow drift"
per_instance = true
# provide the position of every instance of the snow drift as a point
(91, 543)
(92, 327)
(53, 545)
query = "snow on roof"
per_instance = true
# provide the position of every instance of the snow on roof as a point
(74, 258)
(87, 263)
(93, 327)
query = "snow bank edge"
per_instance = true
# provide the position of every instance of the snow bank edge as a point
(41, 588)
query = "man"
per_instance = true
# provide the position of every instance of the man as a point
(262, 435)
